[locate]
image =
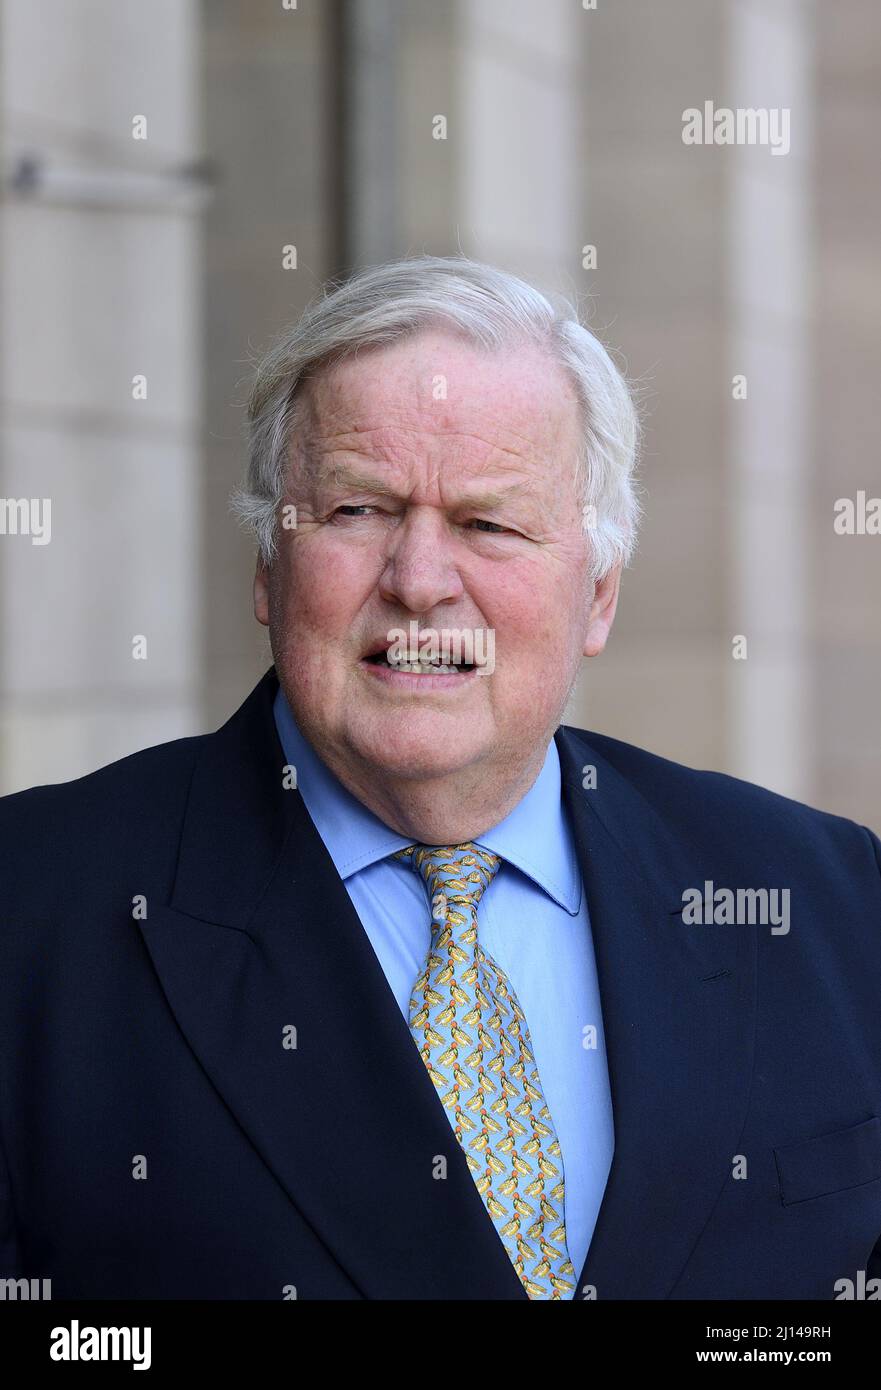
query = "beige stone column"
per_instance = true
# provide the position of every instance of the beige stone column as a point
(100, 280)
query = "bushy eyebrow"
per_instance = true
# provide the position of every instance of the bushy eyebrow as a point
(340, 475)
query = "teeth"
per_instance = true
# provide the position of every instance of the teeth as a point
(423, 668)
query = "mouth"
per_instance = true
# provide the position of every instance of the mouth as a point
(423, 676)
(381, 660)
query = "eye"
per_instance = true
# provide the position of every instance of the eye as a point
(348, 510)
(496, 529)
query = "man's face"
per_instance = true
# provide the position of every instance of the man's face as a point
(433, 483)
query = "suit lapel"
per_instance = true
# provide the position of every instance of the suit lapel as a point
(261, 937)
(677, 1005)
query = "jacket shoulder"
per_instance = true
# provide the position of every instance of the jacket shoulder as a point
(698, 798)
(158, 769)
(63, 830)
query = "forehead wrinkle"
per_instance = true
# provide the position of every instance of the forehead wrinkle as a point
(332, 418)
(399, 453)
(335, 424)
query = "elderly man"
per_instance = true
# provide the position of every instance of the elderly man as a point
(394, 987)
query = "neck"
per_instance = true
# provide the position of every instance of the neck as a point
(444, 810)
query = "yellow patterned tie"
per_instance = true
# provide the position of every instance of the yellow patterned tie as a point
(473, 1037)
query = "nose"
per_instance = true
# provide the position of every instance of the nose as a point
(420, 569)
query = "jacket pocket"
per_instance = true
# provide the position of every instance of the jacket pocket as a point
(830, 1163)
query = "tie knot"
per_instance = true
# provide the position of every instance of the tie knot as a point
(461, 873)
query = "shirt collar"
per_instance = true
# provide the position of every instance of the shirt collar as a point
(534, 836)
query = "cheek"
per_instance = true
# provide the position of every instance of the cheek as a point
(319, 593)
(535, 611)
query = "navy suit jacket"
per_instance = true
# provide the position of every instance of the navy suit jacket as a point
(159, 1140)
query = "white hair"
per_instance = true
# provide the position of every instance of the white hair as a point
(494, 310)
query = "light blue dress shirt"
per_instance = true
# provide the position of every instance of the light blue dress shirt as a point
(533, 921)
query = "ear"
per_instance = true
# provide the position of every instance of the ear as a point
(602, 611)
(261, 593)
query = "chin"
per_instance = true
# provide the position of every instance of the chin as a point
(416, 748)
